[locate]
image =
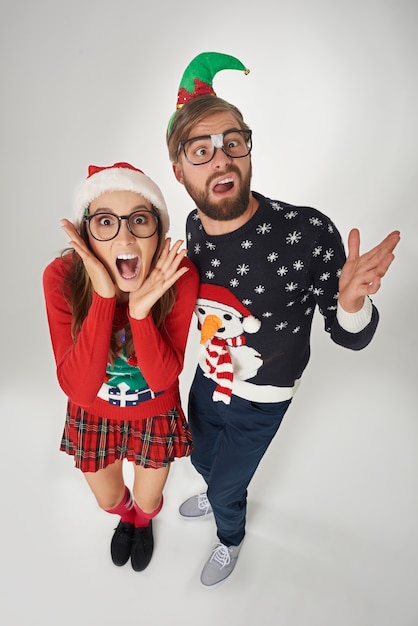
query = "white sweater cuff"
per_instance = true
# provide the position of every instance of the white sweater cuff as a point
(355, 322)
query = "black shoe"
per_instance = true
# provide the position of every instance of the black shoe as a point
(121, 544)
(142, 547)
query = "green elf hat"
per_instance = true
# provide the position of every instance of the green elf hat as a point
(198, 76)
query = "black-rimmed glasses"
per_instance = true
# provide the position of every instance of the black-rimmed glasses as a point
(104, 226)
(234, 143)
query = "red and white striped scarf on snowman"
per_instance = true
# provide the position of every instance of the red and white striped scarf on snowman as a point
(219, 363)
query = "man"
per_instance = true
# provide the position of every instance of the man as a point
(264, 267)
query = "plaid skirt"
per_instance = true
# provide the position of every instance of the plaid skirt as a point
(96, 442)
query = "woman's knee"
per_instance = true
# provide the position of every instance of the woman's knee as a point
(107, 485)
(148, 487)
(148, 502)
(109, 499)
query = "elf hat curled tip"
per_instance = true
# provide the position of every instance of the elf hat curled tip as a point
(198, 76)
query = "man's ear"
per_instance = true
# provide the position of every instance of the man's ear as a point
(178, 173)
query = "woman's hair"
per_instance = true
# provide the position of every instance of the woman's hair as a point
(78, 292)
(192, 113)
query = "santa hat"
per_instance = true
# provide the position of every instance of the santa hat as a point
(118, 177)
(223, 299)
(198, 76)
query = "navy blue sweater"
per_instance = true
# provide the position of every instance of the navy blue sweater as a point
(281, 265)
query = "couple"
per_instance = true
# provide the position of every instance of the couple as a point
(121, 298)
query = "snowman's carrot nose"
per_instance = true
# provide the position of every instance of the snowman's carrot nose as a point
(211, 324)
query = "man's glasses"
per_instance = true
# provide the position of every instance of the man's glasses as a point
(106, 226)
(234, 143)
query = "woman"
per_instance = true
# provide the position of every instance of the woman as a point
(119, 304)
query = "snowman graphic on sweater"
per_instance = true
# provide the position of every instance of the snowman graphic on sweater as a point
(225, 358)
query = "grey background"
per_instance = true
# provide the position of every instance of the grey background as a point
(332, 100)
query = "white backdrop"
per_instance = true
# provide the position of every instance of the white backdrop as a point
(332, 100)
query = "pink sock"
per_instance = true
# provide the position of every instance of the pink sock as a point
(142, 519)
(125, 508)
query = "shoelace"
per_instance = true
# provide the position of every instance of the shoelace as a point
(203, 502)
(221, 555)
(124, 531)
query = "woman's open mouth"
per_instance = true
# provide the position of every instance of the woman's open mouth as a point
(128, 266)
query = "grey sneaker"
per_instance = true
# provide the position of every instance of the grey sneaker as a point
(195, 507)
(220, 564)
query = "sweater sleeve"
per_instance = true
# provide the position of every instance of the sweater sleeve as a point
(80, 365)
(355, 322)
(160, 351)
(326, 266)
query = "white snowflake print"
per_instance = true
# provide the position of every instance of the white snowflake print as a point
(276, 206)
(243, 269)
(215, 262)
(262, 229)
(318, 291)
(315, 221)
(246, 244)
(209, 275)
(281, 326)
(324, 276)
(273, 256)
(197, 249)
(308, 310)
(331, 308)
(290, 215)
(282, 271)
(259, 289)
(210, 245)
(328, 254)
(267, 314)
(298, 265)
(296, 330)
(317, 251)
(293, 238)
(234, 282)
(330, 228)
(291, 303)
(291, 286)
(195, 216)
(189, 236)
(338, 272)
(305, 297)
(247, 302)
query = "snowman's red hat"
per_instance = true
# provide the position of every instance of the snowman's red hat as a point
(223, 299)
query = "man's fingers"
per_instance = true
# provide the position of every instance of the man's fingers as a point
(353, 244)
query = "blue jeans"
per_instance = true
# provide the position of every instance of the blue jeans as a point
(229, 442)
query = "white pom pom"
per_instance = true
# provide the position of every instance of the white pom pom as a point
(251, 324)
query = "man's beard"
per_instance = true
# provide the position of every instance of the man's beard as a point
(226, 209)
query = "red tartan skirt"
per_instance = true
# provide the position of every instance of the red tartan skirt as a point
(96, 442)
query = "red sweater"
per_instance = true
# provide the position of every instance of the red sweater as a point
(83, 370)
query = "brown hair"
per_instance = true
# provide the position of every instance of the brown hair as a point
(78, 292)
(192, 113)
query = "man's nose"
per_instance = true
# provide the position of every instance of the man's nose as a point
(221, 158)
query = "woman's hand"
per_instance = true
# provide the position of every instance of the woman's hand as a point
(165, 273)
(99, 276)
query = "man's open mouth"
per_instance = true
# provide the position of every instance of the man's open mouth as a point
(226, 184)
(128, 266)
